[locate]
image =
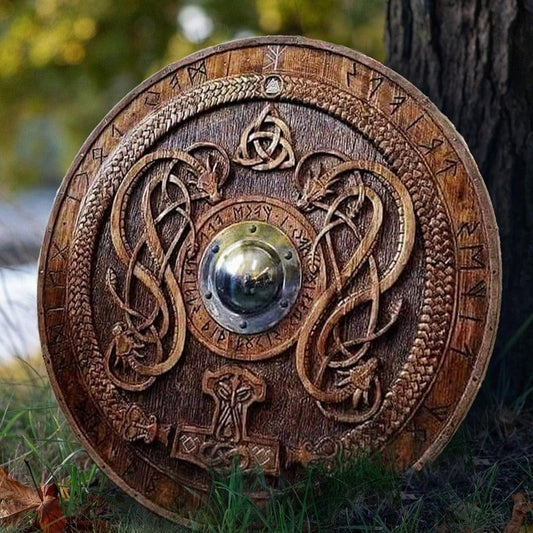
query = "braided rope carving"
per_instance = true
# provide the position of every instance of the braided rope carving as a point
(129, 420)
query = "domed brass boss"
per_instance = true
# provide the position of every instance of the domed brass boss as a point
(249, 277)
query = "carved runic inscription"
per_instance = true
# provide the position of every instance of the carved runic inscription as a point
(285, 255)
(233, 390)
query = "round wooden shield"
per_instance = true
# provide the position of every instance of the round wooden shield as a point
(274, 251)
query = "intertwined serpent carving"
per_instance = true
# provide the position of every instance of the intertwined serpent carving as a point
(129, 420)
(135, 356)
(321, 348)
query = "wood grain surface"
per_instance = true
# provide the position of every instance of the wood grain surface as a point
(388, 338)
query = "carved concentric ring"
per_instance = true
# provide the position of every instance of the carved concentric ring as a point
(277, 326)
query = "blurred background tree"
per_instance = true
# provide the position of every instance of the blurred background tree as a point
(474, 59)
(65, 63)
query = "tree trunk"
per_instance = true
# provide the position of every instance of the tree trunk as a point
(474, 59)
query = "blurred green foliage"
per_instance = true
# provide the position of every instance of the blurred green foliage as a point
(65, 63)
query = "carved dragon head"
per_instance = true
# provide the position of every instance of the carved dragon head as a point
(210, 180)
(316, 187)
(212, 172)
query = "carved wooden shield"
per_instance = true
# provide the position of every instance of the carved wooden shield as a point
(273, 251)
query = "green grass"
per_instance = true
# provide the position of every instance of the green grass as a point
(470, 485)
(34, 435)
(323, 501)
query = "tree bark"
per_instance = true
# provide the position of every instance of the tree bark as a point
(474, 59)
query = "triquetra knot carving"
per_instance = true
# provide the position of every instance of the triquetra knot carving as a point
(266, 143)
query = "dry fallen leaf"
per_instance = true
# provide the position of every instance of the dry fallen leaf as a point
(17, 499)
(521, 507)
(49, 515)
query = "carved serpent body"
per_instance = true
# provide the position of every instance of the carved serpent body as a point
(129, 420)
(146, 332)
(332, 307)
(179, 208)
